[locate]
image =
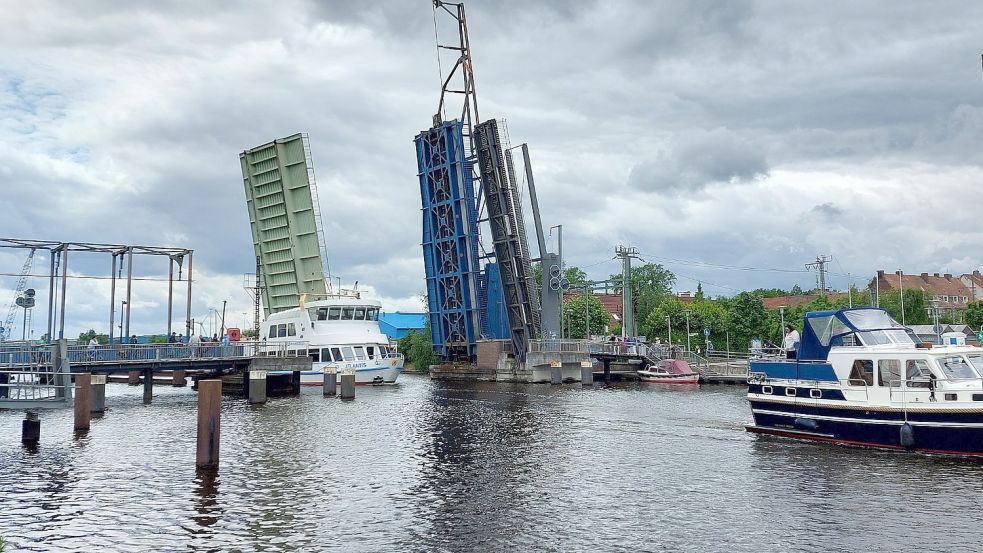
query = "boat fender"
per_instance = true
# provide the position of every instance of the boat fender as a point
(907, 435)
(806, 424)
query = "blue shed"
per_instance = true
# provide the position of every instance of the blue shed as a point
(398, 325)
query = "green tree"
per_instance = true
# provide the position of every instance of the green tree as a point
(537, 273)
(575, 276)
(746, 320)
(656, 324)
(417, 347)
(651, 285)
(974, 314)
(769, 292)
(796, 291)
(915, 306)
(91, 333)
(699, 292)
(578, 310)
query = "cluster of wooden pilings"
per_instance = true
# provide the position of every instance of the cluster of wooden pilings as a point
(90, 397)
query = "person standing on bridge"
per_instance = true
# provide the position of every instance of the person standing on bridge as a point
(194, 341)
(92, 348)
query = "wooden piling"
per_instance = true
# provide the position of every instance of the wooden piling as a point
(348, 384)
(607, 370)
(98, 393)
(83, 401)
(179, 379)
(295, 383)
(330, 381)
(209, 423)
(148, 386)
(133, 378)
(30, 430)
(257, 386)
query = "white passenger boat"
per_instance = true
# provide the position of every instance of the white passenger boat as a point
(862, 378)
(340, 332)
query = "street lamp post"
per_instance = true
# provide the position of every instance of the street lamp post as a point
(669, 320)
(122, 308)
(688, 345)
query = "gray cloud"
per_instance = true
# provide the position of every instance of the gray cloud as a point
(123, 123)
(697, 161)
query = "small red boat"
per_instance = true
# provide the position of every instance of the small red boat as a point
(669, 371)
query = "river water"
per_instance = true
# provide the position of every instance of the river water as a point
(436, 466)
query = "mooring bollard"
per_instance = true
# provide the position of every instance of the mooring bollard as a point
(179, 379)
(586, 373)
(209, 423)
(30, 429)
(348, 384)
(330, 381)
(83, 401)
(98, 393)
(257, 386)
(133, 378)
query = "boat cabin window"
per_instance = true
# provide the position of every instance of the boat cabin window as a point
(347, 313)
(384, 350)
(291, 329)
(862, 372)
(349, 354)
(281, 331)
(889, 372)
(359, 313)
(360, 353)
(334, 314)
(956, 367)
(326, 355)
(315, 355)
(370, 351)
(336, 355)
(272, 332)
(322, 313)
(917, 373)
(371, 314)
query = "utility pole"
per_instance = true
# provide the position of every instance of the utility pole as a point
(820, 265)
(626, 253)
(688, 345)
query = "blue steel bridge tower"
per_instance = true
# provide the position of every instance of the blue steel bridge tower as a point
(450, 239)
(466, 177)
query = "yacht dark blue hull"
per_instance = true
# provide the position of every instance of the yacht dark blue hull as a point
(929, 431)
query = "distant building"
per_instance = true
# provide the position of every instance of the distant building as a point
(974, 281)
(952, 293)
(398, 325)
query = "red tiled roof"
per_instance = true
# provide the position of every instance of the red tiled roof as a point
(934, 285)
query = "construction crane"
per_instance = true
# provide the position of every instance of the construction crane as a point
(25, 272)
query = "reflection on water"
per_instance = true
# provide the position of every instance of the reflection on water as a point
(427, 466)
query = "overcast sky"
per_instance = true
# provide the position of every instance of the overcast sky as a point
(737, 134)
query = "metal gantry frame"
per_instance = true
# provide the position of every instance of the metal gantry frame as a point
(121, 253)
(508, 235)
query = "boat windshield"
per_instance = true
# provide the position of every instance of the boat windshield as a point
(977, 361)
(955, 367)
(890, 336)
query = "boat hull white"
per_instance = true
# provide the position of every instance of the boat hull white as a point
(659, 378)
